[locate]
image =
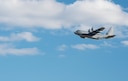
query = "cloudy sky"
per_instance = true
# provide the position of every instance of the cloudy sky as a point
(37, 42)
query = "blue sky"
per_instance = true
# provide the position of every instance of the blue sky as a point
(37, 42)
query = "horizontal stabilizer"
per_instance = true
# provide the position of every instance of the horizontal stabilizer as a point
(110, 36)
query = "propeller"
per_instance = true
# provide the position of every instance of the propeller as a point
(89, 31)
(92, 29)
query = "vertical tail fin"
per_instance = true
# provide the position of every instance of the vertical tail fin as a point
(110, 31)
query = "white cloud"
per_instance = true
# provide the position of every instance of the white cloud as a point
(27, 36)
(51, 14)
(44, 13)
(121, 32)
(107, 44)
(6, 49)
(84, 46)
(62, 47)
(125, 43)
(62, 56)
(96, 12)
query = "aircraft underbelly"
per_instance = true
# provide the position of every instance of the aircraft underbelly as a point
(84, 36)
(97, 36)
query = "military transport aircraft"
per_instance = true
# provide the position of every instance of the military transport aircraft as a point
(95, 34)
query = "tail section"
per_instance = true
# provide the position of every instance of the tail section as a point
(110, 33)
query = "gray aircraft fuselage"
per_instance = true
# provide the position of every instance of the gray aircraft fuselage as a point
(94, 34)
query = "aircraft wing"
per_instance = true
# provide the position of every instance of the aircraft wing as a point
(93, 32)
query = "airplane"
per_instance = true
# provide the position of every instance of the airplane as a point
(95, 34)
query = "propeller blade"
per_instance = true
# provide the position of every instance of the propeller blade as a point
(89, 31)
(92, 29)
